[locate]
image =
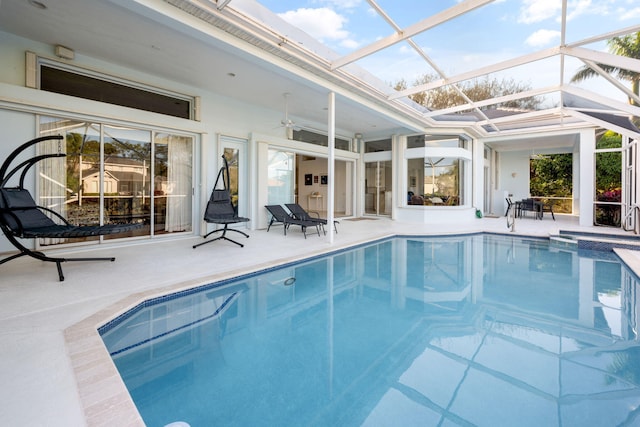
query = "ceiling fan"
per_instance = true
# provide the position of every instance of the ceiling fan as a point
(286, 122)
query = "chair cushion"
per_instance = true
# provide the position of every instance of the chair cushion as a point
(220, 196)
(220, 210)
(22, 212)
(17, 198)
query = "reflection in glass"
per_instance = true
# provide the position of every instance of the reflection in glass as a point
(231, 155)
(127, 175)
(435, 181)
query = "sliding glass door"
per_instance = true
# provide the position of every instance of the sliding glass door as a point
(117, 175)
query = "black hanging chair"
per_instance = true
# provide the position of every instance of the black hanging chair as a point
(21, 217)
(221, 210)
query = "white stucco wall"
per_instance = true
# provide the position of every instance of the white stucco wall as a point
(514, 173)
(219, 115)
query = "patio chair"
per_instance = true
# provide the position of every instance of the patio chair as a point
(22, 218)
(529, 205)
(279, 215)
(221, 210)
(509, 206)
(300, 213)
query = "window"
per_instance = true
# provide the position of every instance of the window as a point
(377, 146)
(436, 170)
(64, 79)
(315, 138)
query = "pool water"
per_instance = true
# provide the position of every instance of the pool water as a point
(475, 330)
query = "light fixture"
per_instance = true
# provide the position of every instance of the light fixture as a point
(64, 52)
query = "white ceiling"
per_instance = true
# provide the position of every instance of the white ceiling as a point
(157, 38)
(182, 54)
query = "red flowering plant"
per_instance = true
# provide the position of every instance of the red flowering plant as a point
(612, 195)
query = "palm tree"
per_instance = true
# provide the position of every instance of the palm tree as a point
(628, 46)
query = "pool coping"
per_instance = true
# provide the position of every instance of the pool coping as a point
(103, 394)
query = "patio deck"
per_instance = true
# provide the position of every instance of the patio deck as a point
(53, 366)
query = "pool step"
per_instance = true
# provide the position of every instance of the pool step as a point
(558, 241)
(601, 242)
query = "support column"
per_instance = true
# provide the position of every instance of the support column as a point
(587, 176)
(331, 126)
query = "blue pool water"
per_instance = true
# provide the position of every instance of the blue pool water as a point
(477, 330)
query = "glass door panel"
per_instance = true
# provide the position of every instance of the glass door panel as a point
(281, 176)
(608, 206)
(631, 212)
(231, 156)
(172, 202)
(127, 177)
(70, 185)
(378, 188)
(233, 150)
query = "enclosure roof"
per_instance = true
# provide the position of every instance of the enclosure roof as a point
(543, 47)
(255, 52)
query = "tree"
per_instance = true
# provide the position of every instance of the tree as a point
(476, 90)
(628, 46)
(608, 164)
(551, 176)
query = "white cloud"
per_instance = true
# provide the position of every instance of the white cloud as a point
(322, 24)
(406, 49)
(538, 10)
(630, 14)
(576, 8)
(340, 4)
(349, 44)
(542, 38)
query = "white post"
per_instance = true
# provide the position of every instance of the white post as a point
(331, 126)
(587, 176)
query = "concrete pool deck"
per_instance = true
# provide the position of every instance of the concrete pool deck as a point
(55, 370)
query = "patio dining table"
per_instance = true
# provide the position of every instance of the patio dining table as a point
(529, 205)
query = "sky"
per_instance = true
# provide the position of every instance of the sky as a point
(499, 31)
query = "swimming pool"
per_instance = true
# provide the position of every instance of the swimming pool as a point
(462, 330)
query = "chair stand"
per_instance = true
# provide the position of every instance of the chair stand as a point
(42, 257)
(223, 236)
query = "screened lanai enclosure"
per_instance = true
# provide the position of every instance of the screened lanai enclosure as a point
(414, 112)
(427, 114)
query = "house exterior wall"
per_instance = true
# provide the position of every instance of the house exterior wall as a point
(514, 174)
(19, 107)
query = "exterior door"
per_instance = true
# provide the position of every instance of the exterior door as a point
(630, 203)
(378, 188)
(234, 150)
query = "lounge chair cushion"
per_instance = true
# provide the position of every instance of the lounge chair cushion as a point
(21, 211)
(27, 220)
